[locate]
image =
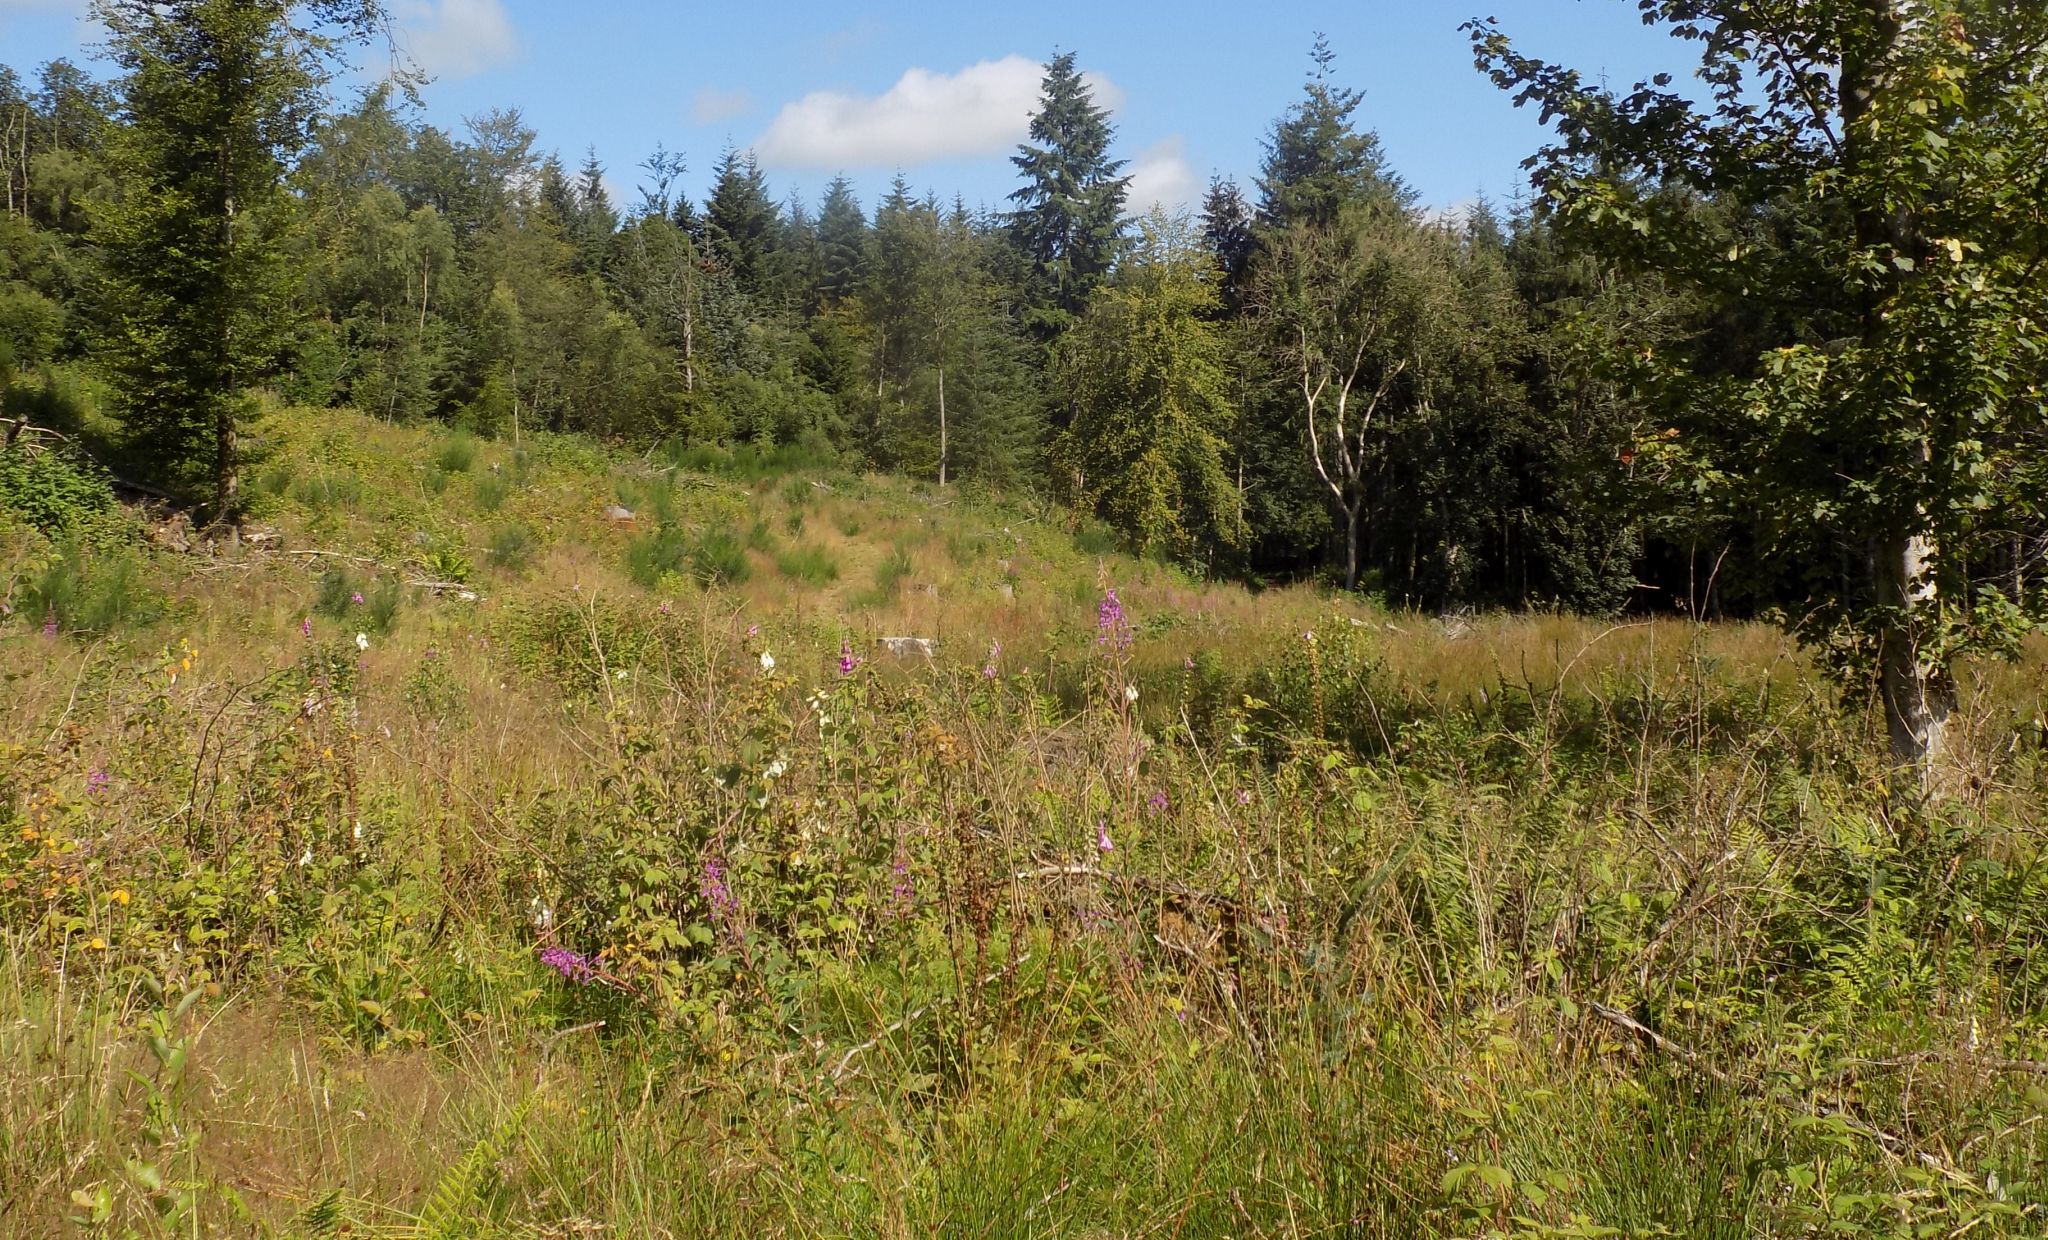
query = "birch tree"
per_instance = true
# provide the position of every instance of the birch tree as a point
(1365, 315)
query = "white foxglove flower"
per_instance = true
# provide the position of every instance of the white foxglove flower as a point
(1131, 693)
(775, 769)
(362, 641)
(767, 661)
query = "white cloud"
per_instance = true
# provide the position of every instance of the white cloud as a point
(925, 116)
(713, 105)
(456, 38)
(1161, 176)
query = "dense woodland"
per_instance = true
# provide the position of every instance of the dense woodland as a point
(1768, 342)
(1148, 368)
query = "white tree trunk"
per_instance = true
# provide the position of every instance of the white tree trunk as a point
(1916, 683)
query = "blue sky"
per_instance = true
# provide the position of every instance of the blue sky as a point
(943, 91)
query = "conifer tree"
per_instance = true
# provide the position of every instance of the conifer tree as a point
(1317, 159)
(218, 96)
(1227, 231)
(740, 219)
(595, 220)
(1068, 223)
(843, 240)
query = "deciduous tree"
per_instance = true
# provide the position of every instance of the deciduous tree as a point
(1862, 180)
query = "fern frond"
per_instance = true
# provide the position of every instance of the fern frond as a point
(449, 1213)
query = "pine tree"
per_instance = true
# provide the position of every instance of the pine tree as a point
(843, 238)
(595, 221)
(796, 261)
(1317, 160)
(218, 96)
(887, 298)
(740, 220)
(1068, 223)
(1227, 231)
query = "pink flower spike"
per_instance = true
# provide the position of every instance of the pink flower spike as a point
(1102, 840)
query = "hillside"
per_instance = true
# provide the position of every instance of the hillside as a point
(456, 857)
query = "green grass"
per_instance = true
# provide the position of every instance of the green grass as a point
(1557, 927)
(890, 574)
(810, 564)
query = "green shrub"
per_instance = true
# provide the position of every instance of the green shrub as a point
(448, 563)
(889, 576)
(1212, 694)
(572, 642)
(720, 558)
(83, 589)
(1092, 537)
(650, 557)
(366, 604)
(456, 453)
(964, 548)
(434, 692)
(338, 590)
(52, 488)
(274, 479)
(57, 400)
(381, 604)
(328, 487)
(760, 537)
(490, 491)
(510, 549)
(808, 564)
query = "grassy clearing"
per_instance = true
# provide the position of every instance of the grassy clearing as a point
(1208, 914)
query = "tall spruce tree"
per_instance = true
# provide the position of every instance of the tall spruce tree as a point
(740, 220)
(843, 238)
(1318, 160)
(218, 96)
(595, 220)
(1068, 222)
(1227, 231)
